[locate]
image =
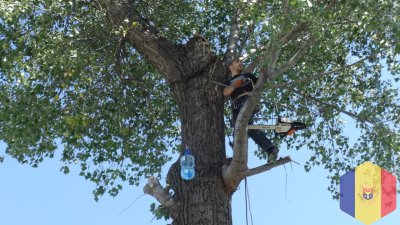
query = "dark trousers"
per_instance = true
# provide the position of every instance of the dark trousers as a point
(258, 136)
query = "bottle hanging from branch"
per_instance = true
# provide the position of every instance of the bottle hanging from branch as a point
(187, 165)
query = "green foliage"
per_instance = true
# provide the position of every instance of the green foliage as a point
(160, 212)
(60, 83)
(364, 95)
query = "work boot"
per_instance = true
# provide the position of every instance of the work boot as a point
(272, 154)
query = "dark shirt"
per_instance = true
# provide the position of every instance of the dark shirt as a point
(247, 87)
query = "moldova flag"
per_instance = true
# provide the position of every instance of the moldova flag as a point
(368, 193)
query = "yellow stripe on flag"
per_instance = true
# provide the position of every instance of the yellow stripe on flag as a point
(368, 193)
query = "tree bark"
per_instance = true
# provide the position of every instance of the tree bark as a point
(189, 70)
(204, 199)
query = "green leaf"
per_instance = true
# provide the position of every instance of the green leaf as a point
(65, 169)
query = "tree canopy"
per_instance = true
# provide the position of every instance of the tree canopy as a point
(69, 77)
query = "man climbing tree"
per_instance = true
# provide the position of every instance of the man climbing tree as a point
(120, 86)
(239, 87)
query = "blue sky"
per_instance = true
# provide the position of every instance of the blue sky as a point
(286, 195)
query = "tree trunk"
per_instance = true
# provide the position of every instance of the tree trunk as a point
(204, 199)
(189, 69)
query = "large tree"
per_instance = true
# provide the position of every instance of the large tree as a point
(121, 85)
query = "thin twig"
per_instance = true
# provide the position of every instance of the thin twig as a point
(130, 205)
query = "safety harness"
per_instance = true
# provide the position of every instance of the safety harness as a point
(240, 99)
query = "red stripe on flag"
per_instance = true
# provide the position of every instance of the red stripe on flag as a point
(388, 182)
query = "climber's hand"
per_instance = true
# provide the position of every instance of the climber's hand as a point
(237, 83)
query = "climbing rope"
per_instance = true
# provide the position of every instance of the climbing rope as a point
(247, 199)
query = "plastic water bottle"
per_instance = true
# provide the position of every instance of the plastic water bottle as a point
(187, 165)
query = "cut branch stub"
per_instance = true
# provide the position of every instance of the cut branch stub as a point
(154, 188)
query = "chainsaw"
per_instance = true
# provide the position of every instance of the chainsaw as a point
(283, 127)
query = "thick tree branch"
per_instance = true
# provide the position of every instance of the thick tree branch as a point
(272, 62)
(294, 33)
(249, 106)
(234, 49)
(265, 167)
(249, 32)
(145, 38)
(154, 188)
(231, 50)
(240, 150)
(294, 59)
(119, 55)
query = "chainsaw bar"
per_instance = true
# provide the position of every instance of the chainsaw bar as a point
(281, 128)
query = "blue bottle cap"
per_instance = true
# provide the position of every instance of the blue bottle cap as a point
(187, 152)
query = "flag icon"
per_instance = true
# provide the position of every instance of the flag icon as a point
(368, 193)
